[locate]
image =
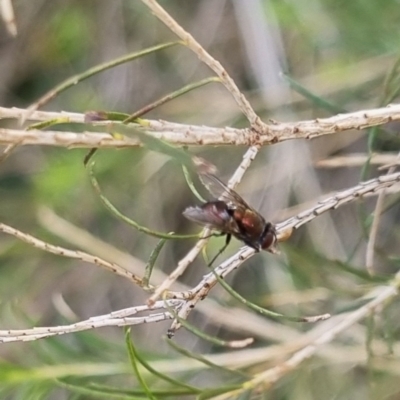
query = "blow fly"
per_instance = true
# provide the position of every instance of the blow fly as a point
(232, 216)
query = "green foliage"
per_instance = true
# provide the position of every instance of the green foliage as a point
(67, 27)
(58, 183)
(341, 55)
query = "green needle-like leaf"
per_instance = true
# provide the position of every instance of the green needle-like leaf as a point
(124, 218)
(132, 358)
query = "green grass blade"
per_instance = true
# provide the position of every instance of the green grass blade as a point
(190, 183)
(203, 360)
(132, 359)
(313, 98)
(124, 218)
(156, 392)
(391, 85)
(48, 123)
(74, 80)
(265, 311)
(150, 264)
(97, 393)
(157, 145)
(212, 339)
(169, 97)
(164, 377)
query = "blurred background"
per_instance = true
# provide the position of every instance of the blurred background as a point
(293, 60)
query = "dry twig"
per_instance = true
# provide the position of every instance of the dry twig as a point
(211, 62)
(369, 260)
(357, 160)
(79, 255)
(256, 135)
(116, 318)
(333, 328)
(255, 122)
(7, 14)
(200, 291)
(284, 230)
(181, 134)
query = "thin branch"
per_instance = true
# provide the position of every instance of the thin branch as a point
(179, 270)
(370, 252)
(215, 312)
(299, 208)
(79, 255)
(7, 151)
(211, 62)
(274, 374)
(188, 300)
(19, 113)
(369, 260)
(74, 80)
(64, 139)
(116, 318)
(357, 160)
(247, 159)
(193, 253)
(339, 199)
(284, 230)
(7, 14)
(181, 134)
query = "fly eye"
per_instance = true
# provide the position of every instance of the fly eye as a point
(269, 241)
(269, 238)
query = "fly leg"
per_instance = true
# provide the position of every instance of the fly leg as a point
(213, 234)
(227, 241)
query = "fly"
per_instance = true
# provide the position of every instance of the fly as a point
(232, 216)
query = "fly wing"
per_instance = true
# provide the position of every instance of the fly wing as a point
(213, 215)
(222, 192)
